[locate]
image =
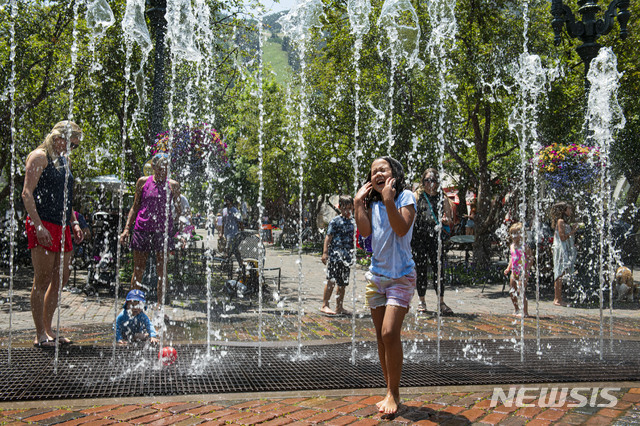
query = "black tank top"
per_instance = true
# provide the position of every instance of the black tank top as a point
(424, 228)
(49, 192)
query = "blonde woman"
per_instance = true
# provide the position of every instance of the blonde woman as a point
(47, 170)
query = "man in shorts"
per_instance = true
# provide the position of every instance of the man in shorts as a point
(338, 251)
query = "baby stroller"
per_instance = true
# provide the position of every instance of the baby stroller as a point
(101, 272)
(249, 252)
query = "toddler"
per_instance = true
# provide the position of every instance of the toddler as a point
(519, 269)
(133, 325)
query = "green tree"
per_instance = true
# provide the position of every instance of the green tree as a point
(478, 145)
(44, 35)
(626, 150)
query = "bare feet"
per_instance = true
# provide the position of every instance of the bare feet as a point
(343, 311)
(328, 311)
(559, 303)
(389, 405)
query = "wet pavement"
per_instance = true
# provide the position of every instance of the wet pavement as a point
(480, 314)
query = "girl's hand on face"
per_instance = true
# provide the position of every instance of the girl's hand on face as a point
(363, 192)
(389, 191)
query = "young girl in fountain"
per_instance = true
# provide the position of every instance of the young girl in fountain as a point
(133, 325)
(519, 268)
(385, 210)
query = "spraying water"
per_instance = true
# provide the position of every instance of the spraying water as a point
(204, 35)
(443, 33)
(604, 117)
(129, 38)
(359, 11)
(181, 30)
(297, 25)
(205, 74)
(400, 21)
(13, 226)
(67, 175)
(181, 38)
(531, 80)
(261, 186)
(134, 26)
(99, 17)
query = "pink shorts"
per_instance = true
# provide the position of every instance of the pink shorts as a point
(385, 291)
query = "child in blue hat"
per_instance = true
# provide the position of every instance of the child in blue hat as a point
(133, 325)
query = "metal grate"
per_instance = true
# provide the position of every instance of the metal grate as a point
(94, 372)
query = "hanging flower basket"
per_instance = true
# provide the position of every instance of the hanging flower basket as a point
(568, 166)
(192, 148)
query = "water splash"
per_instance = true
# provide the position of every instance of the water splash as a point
(399, 20)
(13, 13)
(67, 173)
(181, 30)
(440, 43)
(129, 38)
(99, 17)
(261, 253)
(359, 11)
(304, 16)
(297, 24)
(134, 27)
(604, 117)
(531, 81)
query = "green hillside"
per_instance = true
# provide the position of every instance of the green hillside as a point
(278, 60)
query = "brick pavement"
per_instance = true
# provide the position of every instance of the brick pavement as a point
(420, 406)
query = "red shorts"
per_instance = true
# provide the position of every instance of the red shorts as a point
(56, 236)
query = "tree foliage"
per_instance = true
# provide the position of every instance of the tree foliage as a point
(465, 126)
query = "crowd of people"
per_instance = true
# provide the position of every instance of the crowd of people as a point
(405, 229)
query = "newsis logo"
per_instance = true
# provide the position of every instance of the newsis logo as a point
(549, 397)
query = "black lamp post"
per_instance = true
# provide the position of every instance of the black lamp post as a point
(589, 29)
(156, 12)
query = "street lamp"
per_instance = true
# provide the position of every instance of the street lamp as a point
(156, 12)
(589, 29)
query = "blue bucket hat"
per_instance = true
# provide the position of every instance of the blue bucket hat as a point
(135, 295)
